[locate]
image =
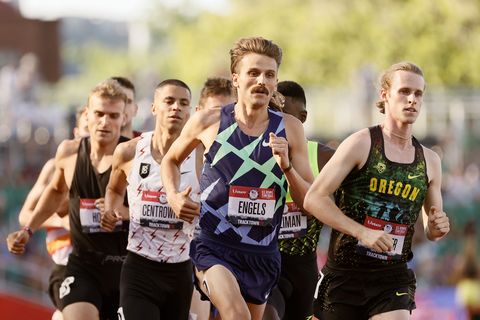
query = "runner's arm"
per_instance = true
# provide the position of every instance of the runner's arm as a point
(300, 176)
(179, 200)
(54, 193)
(435, 221)
(351, 154)
(35, 194)
(115, 192)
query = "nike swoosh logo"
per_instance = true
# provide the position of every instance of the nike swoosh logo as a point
(265, 143)
(413, 177)
(184, 172)
(399, 294)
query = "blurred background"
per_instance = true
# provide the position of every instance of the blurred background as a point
(52, 52)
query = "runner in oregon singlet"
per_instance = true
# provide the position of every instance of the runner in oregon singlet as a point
(382, 195)
(243, 188)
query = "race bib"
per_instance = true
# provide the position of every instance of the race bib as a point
(294, 222)
(156, 213)
(90, 217)
(251, 206)
(397, 231)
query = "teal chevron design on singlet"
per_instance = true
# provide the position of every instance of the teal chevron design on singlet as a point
(248, 163)
(241, 160)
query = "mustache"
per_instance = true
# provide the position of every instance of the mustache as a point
(260, 89)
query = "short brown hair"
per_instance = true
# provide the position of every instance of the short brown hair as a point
(125, 83)
(108, 89)
(215, 87)
(386, 78)
(258, 45)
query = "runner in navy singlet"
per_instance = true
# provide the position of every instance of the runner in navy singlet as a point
(252, 154)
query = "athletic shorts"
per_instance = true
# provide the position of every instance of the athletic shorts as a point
(155, 290)
(362, 294)
(256, 272)
(54, 282)
(94, 280)
(293, 296)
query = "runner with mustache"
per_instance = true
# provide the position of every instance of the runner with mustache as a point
(251, 154)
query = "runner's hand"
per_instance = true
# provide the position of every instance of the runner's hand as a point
(438, 223)
(100, 204)
(183, 205)
(109, 219)
(377, 240)
(279, 147)
(16, 241)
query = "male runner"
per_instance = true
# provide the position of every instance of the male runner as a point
(378, 171)
(58, 236)
(82, 170)
(251, 153)
(156, 279)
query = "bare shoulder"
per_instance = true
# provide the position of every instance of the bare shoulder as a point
(46, 173)
(202, 126)
(293, 129)
(48, 167)
(205, 118)
(430, 155)
(360, 139)
(67, 148)
(125, 151)
(355, 149)
(291, 121)
(434, 167)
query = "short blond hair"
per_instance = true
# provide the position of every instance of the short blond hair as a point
(108, 89)
(386, 78)
(257, 45)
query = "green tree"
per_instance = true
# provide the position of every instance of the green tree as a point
(325, 42)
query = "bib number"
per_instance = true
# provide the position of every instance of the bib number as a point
(156, 213)
(294, 222)
(251, 206)
(397, 231)
(90, 217)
